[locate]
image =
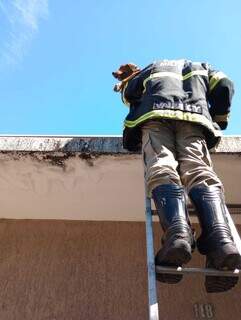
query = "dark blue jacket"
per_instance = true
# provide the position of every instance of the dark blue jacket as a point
(181, 90)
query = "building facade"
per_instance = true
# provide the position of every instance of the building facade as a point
(73, 233)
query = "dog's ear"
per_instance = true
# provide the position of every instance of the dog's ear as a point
(132, 67)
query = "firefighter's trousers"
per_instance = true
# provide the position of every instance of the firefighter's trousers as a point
(175, 152)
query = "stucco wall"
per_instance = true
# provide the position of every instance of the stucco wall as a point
(74, 270)
(86, 178)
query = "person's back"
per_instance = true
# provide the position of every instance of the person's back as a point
(180, 90)
(177, 108)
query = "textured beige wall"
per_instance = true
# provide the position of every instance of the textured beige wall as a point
(74, 270)
(45, 187)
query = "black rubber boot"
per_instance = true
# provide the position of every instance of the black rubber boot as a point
(216, 240)
(178, 240)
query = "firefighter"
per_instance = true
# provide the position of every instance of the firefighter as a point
(177, 109)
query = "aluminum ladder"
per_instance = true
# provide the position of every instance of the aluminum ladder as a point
(152, 269)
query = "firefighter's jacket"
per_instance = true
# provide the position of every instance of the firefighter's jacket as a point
(180, 90)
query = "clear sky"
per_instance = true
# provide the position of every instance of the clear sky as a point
(56, 57)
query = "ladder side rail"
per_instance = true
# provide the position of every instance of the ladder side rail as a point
(152, 291)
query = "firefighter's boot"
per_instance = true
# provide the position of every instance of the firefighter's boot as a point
(178, 239)
(216, 240)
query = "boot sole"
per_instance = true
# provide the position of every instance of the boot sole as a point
(175, 256)
(229, 261)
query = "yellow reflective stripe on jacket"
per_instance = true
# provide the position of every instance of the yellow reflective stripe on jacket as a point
(215, 79)
(196, 73)
(162, 74)
(173, 114)
(175, 75)
(123, 96)
(221, 117)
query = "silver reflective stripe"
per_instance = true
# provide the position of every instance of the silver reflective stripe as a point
(175, 75)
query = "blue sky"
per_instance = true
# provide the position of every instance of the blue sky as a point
(56, 57)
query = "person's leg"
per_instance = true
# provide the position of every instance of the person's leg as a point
(215, 241)
(158, 151)
(195, 165)
(206, 192)
(164, 184)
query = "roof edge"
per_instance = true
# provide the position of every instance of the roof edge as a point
(90, 144)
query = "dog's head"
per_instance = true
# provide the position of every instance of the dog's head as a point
(125, 71)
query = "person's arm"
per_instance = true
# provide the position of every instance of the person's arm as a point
(133, 89)
(221, 90)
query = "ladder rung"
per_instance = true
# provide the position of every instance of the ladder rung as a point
(204, 271)
(233, 209)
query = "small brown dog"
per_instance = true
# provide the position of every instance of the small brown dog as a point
(124, 74)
